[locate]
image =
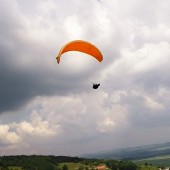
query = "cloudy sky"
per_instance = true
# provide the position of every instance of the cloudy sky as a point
(46, 108)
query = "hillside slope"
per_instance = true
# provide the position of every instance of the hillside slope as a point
(134, 153)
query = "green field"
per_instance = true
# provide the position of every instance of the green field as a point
(13, 168)
(76, 166)
(143, 167)
(71, 166)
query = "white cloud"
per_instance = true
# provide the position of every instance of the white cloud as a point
(7, 136)
(151, 57)
(152, 104)
(37, 128)
(73, 27)
(106, 125)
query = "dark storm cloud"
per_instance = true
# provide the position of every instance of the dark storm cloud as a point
(28, 67)
(11, 80)
(18, 84)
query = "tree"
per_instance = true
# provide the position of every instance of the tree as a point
(146, 164)
(112, 164)
(65, 167)
(86, 168)
(81, 167)
(127, 165)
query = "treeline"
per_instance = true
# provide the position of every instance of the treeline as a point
(121, 165)
(34, 162)
(38, 162)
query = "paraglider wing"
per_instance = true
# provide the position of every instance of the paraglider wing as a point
(81, 46)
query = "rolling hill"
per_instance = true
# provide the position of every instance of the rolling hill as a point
(134, 153)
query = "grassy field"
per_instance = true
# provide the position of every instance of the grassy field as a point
(13, 168)
(143, 167)
(77, 166)
(72, 166)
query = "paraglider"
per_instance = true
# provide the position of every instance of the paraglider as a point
(84, 47)
(81, 46)
(95, 86)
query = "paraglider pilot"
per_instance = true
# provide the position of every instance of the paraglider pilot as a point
(95, 86)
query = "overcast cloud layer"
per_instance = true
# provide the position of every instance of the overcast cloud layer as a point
(46, 108)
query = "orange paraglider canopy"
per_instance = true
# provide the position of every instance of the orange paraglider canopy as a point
(81, 46)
